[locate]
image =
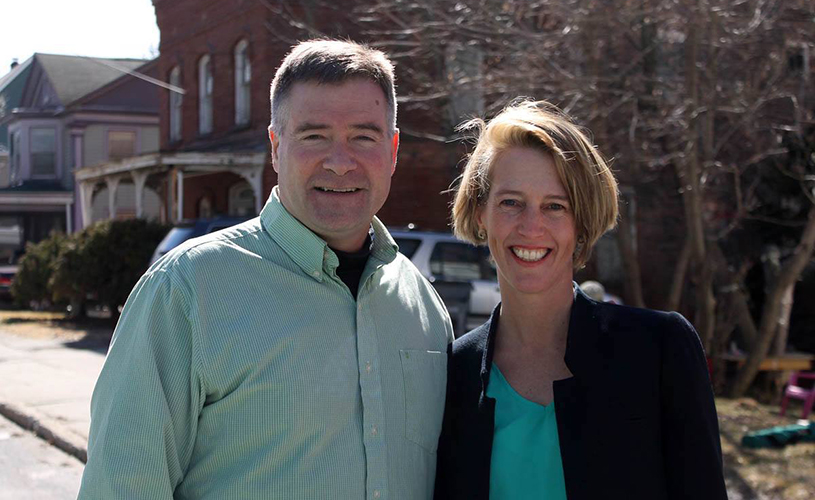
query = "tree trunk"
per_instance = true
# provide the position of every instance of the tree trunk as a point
(678, 281)
(692, 194)
(631, 265)
(771, 312)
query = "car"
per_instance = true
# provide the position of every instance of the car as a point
(443, 257)
(7, 274)
(187, 229)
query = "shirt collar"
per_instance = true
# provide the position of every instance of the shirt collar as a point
(310, 252)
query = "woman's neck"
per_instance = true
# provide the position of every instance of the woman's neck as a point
(539, 322)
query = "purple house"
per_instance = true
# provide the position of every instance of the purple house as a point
(69, 113)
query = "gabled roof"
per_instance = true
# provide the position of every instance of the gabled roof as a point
(75, 76)
(14, 73)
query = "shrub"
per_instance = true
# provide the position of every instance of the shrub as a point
(106, 260)
(30, 287)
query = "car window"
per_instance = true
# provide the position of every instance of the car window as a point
(455, 261)
(408, 246)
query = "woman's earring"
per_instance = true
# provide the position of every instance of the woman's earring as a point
(482, 234)
(581, 240)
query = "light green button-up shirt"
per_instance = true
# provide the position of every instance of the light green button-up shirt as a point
(243, 368)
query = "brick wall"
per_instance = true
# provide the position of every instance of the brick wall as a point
(192, 28)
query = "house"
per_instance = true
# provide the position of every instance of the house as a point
(61, 114)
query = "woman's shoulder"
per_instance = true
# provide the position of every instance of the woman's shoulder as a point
(609, 313)
(472, 343)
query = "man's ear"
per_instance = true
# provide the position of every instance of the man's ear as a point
(395, 147)
(275, 142)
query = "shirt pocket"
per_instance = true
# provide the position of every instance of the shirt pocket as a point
(425, 376)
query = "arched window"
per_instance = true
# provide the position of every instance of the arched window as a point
(243, 77)
(204, 95)
(175, 105)
(241, 199)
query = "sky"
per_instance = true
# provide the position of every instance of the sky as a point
(96, 28)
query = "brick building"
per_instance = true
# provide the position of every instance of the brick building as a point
(218, 59)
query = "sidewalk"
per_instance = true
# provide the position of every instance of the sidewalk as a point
(46, 386)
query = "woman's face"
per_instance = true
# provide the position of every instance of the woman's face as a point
(529, 223)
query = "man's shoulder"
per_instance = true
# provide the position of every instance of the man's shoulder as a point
(213, 248)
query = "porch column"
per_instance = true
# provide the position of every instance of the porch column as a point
(180, 193)
(113, 185)
(254, 176)
(85, 199)
(139, 179)
(69, 227)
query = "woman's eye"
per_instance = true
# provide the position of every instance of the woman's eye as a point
(508, 203)
(556, 206)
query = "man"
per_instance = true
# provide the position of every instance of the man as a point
(297, 355)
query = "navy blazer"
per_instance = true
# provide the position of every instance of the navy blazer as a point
(637, 420)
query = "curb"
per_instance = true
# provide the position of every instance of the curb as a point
(29, 422)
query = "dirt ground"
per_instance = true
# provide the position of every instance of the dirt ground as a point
(751, 474)
(765, 473)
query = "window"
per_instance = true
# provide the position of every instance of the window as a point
(175, 105)
(14, 154)
(461, 262)
(204, 96)
(243, 75)
(121, 145)
(43, 152)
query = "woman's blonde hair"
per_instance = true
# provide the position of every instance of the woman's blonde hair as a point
(589, 183)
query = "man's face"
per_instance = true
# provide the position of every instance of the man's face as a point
(334, 158)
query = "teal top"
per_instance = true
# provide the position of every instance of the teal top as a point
(525, 448)
(243, 368)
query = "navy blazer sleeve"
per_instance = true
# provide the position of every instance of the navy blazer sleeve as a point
(690, 429)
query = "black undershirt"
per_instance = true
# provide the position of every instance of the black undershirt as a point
(352, 264)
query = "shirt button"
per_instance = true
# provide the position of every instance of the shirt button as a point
(368, 367)
(374, 431)
(377, 494)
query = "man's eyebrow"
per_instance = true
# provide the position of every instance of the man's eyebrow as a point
(310, 126)
(373, 127)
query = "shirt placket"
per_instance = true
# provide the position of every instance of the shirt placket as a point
(370, 382)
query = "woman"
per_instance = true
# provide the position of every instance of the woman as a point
(558, 396)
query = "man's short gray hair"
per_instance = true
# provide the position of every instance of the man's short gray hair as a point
(326, 61)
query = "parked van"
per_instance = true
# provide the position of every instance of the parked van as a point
(440, 256)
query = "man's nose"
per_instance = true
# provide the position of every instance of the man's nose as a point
(339, 160)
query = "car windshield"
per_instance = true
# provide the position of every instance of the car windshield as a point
(175, 237)
(407, 246)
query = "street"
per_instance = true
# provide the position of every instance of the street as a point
(31, 468)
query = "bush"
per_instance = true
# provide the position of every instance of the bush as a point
(30, 287)
(105, 260)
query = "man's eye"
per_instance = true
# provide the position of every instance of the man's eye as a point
(312, 137)
(365, 138)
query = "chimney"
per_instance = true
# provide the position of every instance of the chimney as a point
(14, 63)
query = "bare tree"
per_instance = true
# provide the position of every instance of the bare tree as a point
(692, 97)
